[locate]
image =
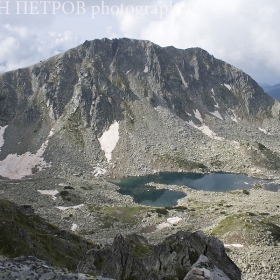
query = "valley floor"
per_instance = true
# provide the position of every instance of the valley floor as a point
(94, 209)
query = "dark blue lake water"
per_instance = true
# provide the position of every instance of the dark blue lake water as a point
(150, 196)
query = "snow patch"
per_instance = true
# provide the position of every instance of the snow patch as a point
(174, 220)
(206, 130)
(109, 140)
(234, 245)
(18, 166)
(74, 227)
(146, 69)
(182, 77)
(234, 117)
(98, 171)
(264, 131)
(217, 114)
(2, 130)
(170, 221)
(63, 208)
(162, 225)
(41, 151)
(192, 124)
(227, 86)
(198, 115)
(213, 96)
(49, 192)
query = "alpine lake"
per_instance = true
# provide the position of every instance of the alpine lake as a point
(148, 195)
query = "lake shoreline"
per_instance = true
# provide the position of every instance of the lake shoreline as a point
(144, 192)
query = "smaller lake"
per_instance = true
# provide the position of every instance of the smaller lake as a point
(150, 196)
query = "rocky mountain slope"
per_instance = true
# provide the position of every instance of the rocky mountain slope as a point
(23, 233)
(127, 107)
(134, 258)
(247, 222)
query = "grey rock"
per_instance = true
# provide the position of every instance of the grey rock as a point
(154, 93)
(210, 271)
(134, 257)
(31, 268)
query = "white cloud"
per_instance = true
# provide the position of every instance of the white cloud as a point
(20, 47)
(133, 22)
(243, 33)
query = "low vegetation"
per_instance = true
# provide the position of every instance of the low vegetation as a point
(24, 233)
(245, 228)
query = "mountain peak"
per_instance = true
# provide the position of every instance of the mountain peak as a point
(167, 102)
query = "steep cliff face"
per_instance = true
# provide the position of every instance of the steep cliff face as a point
(125, 106)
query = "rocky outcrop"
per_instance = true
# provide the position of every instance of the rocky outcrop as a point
(23, 233)
(133, 257)
(31, 268)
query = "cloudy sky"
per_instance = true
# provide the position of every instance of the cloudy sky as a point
(244, 33)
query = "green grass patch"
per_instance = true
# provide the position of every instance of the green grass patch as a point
(243, 227)
(139, 250)
(229, 224)
(125, 215)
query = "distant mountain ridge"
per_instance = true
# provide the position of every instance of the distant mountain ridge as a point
(273, 91)
(129, 107)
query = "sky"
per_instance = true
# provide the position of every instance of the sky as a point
(244, 33)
